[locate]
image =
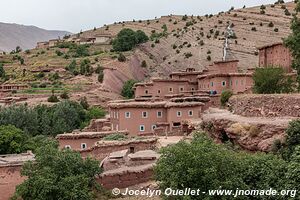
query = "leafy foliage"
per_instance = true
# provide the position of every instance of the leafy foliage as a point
(127, 90)
(272, 80)
(293, 41)
(11, 139)
(58, 175)
(225, 96)
(204, 165)
(116, 136)
(127, 39)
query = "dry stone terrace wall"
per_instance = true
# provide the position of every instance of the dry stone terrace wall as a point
(126, 177)
(103, 149)
(280, 105)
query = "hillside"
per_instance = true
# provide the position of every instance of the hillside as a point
(12, 35)
(187, 42)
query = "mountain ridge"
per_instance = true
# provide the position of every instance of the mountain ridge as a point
(25, 36)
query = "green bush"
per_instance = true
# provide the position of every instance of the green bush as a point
(127, 90)
(121, 58)
(225, 96)
(53, 99)
(271, 80)
(64, 95)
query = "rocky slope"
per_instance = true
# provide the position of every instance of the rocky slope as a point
(12, 35)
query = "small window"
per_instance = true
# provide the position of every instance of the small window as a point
(117, 114)
(181, 89)
(68, 147)
(176, 124)
(158, 91)
(144, 114)
(146, 91)
(170, 89)
(127, 114)
(153, 127)
(114, 114)
(212, 84)
(230, 82)
(142, 128)
(112, 127)
(193, 89)
(159, 114)
(131, 149)
(190, 113)
(83, 146)
(223, 83)
(117, 127)
(178, 113)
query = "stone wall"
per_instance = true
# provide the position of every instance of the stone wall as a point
(103, 149)
(126, 177)
(10, 177)
(280, 105)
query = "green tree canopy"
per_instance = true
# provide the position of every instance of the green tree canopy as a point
(293, 40)
(11, 139)
(202, 164)
(57, 174)
(2, 71)
(271, 80)
(127, 39)
(127, 90)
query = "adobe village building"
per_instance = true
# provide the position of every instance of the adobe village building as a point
(276, 55)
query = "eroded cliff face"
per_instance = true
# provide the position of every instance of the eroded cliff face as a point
(254, 121)
(250, 133)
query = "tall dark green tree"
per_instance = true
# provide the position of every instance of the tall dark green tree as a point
(127, 39)
(293, 41)
(127, 90)
(2, 71)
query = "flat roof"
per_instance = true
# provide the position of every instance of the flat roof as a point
(224, 75)
(269, 45)
(88, 135)
(16, 159)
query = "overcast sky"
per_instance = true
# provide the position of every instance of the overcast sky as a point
(76, 15)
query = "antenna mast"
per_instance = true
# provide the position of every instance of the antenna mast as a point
(228, 34)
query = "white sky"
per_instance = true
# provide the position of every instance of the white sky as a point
(76, 15)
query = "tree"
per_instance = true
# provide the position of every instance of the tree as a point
(11, 139)
(141, 37)
(127, 39)
(121, 58)
(272, 80)
(225, 96)
(127, 90)
(2, 71)
(293, 41)
(203, 164)
(58, 174)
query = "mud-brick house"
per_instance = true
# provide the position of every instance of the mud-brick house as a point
(53, 43)
(103, 38)
(42, 45)
(156, 116)
(275, 55)
(225, 75)
(83, 140)
(10, 172)
(164, 88)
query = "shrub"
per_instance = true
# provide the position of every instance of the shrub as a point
(64, 95)
(208, 58)
(84, 103)
(58, 53)
(253, 29)
(188, 55)
(276, 30)
(121, 58)
(225, 96)
(100, 76)
(144, 64)
(53, 99)
(127, 90)
(272, 80)
(271, 24)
